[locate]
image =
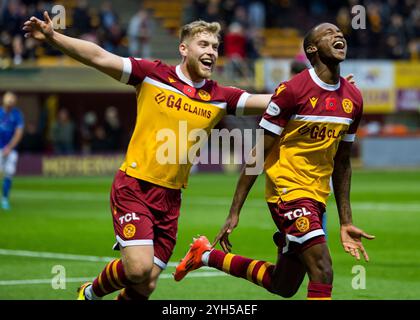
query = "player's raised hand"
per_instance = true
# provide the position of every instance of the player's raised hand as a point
(350, 78)
(351, 238)
(38, 29)
(223, 236)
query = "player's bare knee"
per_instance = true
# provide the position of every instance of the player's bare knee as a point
(138, 272)
(145, 288)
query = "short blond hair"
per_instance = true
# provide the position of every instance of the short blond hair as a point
(9, 97)
(191, 29)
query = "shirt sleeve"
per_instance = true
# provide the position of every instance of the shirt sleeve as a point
(281, 107)
(350, 136)
(235, 99)
(135, 70)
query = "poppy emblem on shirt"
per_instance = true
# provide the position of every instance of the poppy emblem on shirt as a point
(347, 105)
(330, 104)
(189, 91)
(204, 95)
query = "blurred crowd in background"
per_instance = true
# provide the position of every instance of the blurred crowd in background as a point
(65, 135)
(392, 26)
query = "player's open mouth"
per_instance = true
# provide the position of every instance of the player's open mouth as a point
(207, 63)
(339, 45)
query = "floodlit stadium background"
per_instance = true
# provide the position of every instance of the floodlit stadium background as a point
(78, 123)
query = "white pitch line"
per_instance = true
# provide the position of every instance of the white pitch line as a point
(67, 256)
(38, 281)
(52, 255)
(60, 256)
(72, 280)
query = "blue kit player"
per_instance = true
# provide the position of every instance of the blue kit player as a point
(11, 132)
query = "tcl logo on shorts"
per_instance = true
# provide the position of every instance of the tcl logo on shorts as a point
(297, 213)
(128, 217)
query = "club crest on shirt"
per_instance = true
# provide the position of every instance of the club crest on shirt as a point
(273, 109)
(129, 230)
(302, 224)
(347, 105)
(204, 95)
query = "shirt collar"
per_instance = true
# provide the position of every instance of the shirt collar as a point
(182, 76)
(322, 84)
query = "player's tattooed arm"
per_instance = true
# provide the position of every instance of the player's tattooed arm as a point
(256, 104)
(83, 51)
(341, 182)
(351, 236)
(244, 185)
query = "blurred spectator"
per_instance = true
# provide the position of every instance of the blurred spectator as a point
(81, 18)
(87, 129)
(212, 12)
(235, 51)
(228, 9)
(113, 129)
(111, 31)
(113, 39)
(189, 12)
(62, 133)
(108, 16)
(297, 67)
(200, 8)
(240, 16)
(140, 30)
(32, 141)
(397, 38)
(344, 21)
(13, 17)
(256, 13)
(17, 46)
(100, 142)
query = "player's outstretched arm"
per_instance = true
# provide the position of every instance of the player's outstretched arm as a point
(256, 104)
(244, 185)
(83, 51)
(351, 236)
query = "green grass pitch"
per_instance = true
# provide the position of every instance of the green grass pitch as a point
(66, 216)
